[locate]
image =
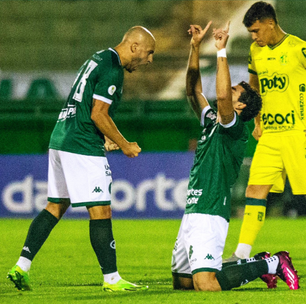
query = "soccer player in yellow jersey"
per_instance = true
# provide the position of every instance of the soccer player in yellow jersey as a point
(277, 67)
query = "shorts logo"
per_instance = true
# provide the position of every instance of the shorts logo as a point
(108, 172)
(26, 248)
(190, 251)
(260, 216)
(111, 90)
(97, 190)
(209, 257)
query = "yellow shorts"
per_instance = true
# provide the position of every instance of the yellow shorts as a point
(278, 156)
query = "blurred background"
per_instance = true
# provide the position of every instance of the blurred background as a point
(43, 44)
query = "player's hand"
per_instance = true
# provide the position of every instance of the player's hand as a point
(221, 36)
(257, 132)
(131, 149)
(109, 145)
(198, 33)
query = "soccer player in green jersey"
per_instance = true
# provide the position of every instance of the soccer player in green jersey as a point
(79, 174)
(197, 254)
(277, 67)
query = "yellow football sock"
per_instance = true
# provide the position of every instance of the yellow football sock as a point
(253, 220)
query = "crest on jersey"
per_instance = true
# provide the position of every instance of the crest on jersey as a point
(111, 90)
(304, 51)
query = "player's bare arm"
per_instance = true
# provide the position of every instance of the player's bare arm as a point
(106, 125)
(254, 82)
(223, 80)
(109, 145)
(193, 78)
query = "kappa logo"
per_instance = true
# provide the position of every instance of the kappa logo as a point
(26, 248)
(209, 257)
(97, 190)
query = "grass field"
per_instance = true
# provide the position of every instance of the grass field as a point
(66, 269)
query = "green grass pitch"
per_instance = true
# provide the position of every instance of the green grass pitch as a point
(66, 269)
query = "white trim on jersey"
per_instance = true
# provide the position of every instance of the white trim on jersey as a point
(203, 114)
(102, 98)
(116, 54)
(231, 123)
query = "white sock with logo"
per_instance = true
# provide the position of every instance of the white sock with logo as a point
(112, 278)
(24, 263)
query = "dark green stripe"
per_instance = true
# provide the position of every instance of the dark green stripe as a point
(181, 275)
(204, 270)
(90, 204)
(252, 72)
(256, 202)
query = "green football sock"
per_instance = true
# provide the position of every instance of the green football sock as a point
(39, 231)
(238, 275)
(103, 243)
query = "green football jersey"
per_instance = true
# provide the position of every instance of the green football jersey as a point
(216, 166)
(100, 77)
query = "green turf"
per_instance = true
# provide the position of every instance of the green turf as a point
(66, 269)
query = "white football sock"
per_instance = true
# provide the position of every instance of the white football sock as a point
(112, 278)
(243, 251)
(24, 263)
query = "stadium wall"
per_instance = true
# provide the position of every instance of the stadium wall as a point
(153, 185)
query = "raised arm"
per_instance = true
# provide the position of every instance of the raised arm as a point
(193, 78)
(223, 79)
(253, 81)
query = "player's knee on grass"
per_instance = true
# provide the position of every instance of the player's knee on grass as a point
(206, 281)
(182, 283)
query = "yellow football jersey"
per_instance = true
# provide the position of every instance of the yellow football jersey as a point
(281, 72)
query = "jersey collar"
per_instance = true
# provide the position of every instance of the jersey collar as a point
(116, 54)
(279, 43)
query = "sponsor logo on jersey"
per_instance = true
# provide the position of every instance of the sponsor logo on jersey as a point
(301, 98)
(69, 112)
(277, 82)
(97, 57)
(111, 90)
(193, 192)
(278, 119)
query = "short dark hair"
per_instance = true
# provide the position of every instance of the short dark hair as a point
(259, 11)
(253, 102)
